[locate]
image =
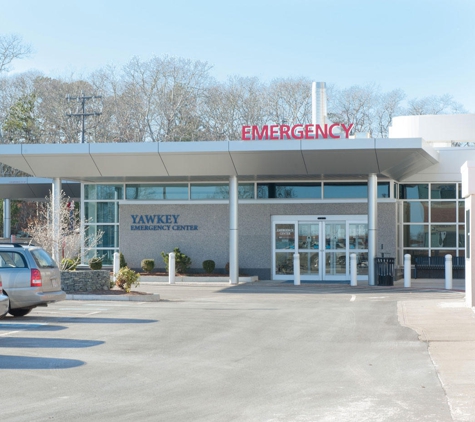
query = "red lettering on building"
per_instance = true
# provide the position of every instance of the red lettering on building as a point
(287, 132)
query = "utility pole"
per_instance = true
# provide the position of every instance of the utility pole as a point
(82, 99)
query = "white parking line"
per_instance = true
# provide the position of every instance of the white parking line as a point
(353, 298)
(10, 332)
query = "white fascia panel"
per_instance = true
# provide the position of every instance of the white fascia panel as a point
(468, 179)
(401, 158)
(267, 158)
(128, 159)
(58, 160)
(340, 156)
(197, 158)
(12, 155)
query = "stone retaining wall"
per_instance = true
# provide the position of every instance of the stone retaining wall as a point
(85, 281)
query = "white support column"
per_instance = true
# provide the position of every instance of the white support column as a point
(56, 199)
(233, 231)
(7, 222)
(468, 192)
(372, 226)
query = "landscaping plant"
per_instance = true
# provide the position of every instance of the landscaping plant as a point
(68, 264)
(95, 263)
(126, 278)
(122, 262)
(209, 265)
(182, 261)
(147, 265)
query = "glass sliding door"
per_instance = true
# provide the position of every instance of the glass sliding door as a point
(324, 247)
(284, 246)
(309, 249)
(335, 250)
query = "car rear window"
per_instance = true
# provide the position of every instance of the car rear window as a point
(12, 260)
(42, 259)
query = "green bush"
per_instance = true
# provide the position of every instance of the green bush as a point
(182, 262)
(209, 265)
(95, 263)
(126, 278)
(147, 265)
(68, 264)
(122, 262)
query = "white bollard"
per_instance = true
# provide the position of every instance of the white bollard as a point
(115, 265)
(407, 270)
(171, 268)
(448, 272)
(296, 269)
(353, 272)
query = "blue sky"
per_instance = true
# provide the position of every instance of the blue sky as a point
(425, 47)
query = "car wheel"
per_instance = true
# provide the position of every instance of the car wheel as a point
(19, 312)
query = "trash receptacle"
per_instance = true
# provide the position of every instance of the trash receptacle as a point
(384, 271)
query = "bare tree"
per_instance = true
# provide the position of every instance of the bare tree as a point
(388, 105)
(230, 105)
(40, 228)
(289, 101)
(164, 91)
(443, 104)
(354, 105)
(12, 47)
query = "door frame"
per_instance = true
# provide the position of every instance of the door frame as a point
(295, 220)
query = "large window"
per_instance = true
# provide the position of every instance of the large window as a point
(154, 192)
(432, 219)
(312, 190)
(289, 190)
(101, 212)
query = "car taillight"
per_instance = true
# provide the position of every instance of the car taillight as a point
(1, 287)
(35, 278)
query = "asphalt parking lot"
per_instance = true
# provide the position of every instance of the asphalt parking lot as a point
(258, 352)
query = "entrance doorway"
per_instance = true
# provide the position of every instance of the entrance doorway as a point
(324, 245)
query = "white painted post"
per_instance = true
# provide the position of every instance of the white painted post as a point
(115, 265)
(353, 280)
(171, 268)
(448, 271)
(296, 269)
(407, 270)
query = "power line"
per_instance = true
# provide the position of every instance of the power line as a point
(83, 98)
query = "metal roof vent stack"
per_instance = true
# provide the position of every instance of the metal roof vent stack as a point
(319, 103)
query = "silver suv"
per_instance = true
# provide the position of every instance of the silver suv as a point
(30, 277)
(4, 302)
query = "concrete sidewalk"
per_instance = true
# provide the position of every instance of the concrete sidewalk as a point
(448, 328)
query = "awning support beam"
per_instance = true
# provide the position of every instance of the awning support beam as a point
(233, 231)
(372, 226)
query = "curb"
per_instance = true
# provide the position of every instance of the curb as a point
(124, 298)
